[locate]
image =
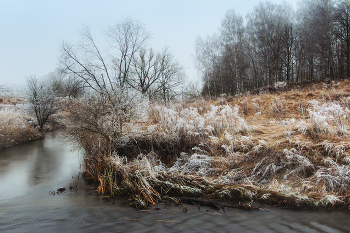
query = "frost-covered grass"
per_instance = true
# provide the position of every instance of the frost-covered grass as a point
(214, 122)
(328, 118)
(289, 149)
(16, 126)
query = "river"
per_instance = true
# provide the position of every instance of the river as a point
(29, 172)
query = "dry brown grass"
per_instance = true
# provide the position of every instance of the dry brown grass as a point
(12, 100)
(15, 124)
(269, 149)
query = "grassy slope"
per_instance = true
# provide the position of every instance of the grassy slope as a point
(284, 149)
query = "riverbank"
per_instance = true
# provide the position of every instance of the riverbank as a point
(288, 149)
(18, 126)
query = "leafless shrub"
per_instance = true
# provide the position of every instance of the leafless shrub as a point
(41, 99)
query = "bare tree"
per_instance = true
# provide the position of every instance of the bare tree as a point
(87, 62)
(316, 43)
(55, 80)
(191, 90)
(233, 66)
(222, 58)
(267, 28)
(126, 39)
(147, 69)
(247, 56)
(207, 57)
(341, 30)
(171, 76)
(63, 84)
(156, 73)
(73, 86)
(41, 98)
(106, 75)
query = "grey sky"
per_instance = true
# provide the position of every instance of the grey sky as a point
(32, 31)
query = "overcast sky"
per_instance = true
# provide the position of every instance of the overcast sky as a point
(32, 31)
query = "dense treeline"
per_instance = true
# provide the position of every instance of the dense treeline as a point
(275, 43)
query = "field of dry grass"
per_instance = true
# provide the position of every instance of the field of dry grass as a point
(289, 149)
(16, 126)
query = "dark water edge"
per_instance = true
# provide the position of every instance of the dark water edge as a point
(30, 171)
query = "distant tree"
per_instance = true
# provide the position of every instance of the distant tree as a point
(55, 80)
(222, 58)
(191, 90)
(208, 55)
(73, 86)
(146, 70)
(41, 98)
(234, 64)
(171, 76)
(315, 33)
(64, 84)
(276, 44)
(269, 31)
(341, 18)
(2, 87)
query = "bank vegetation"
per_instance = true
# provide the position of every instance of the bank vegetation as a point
(289, 148)
(16, 125)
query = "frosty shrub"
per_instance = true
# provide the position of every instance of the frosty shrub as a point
(302, 127)
(96, 118)
(225, 118)
(318, 122)
(327, 116)
(280, 85)
(41, 98)
(188, 121)
(330, 201)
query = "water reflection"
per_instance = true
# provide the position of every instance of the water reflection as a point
(32, 164)
(15, 167)
(29, 171)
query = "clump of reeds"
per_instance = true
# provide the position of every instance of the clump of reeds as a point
(115, 177)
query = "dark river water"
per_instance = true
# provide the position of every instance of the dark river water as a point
(30, 171)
